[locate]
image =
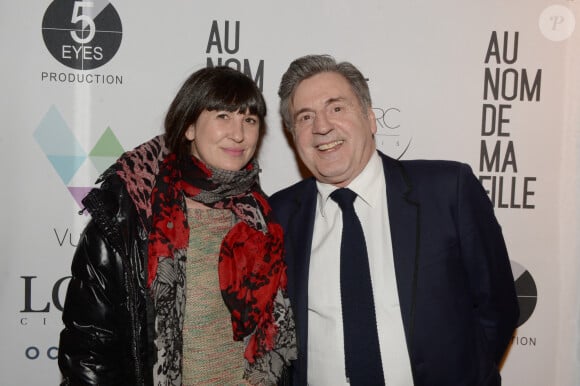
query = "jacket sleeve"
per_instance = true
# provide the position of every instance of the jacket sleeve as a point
(487, 262)
(91, 349)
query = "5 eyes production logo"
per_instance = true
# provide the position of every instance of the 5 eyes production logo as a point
(82, 35)
(526, 290)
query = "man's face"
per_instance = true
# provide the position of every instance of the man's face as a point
(333, 135)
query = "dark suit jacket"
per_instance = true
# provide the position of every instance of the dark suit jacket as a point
(455, 284)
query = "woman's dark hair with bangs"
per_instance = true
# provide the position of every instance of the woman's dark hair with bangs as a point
(212, 88)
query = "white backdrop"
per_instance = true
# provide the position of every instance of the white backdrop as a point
(492, 83)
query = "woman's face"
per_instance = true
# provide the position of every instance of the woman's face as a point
(223, 139)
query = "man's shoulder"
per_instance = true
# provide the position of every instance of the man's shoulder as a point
(437, 167)
(293, 194)
(425, 167)
(301, 187)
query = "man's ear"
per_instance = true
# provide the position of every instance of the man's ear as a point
(372, 120)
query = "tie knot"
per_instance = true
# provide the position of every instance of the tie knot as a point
(344, 197)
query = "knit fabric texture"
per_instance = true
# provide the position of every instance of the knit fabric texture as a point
(210, 355)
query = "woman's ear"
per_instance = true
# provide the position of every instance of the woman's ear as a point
(190, 132)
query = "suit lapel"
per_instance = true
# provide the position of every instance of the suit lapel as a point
(404, 224)
(300, 231)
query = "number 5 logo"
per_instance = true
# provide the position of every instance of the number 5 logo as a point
(83, 35)
(77, 16)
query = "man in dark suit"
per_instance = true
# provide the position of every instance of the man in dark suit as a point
(442, 287)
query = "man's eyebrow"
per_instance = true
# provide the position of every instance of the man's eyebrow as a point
(327, 102)
(303, 110)
(332, 100)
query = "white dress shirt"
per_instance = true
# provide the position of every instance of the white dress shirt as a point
(325, 334)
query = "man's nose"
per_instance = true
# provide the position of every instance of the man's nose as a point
(321, 123)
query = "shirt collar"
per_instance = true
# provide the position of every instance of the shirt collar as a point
(366, 185)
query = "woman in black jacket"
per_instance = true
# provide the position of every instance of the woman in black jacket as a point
(178, 277)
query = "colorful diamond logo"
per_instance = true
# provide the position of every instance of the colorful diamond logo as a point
(66, 155)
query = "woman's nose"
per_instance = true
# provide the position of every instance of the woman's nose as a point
(237, 129)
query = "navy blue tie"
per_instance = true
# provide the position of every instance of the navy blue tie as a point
(361, 343)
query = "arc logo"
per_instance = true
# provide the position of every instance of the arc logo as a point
(82, 34)
(66, 155)
(391, 138)
(526, 291)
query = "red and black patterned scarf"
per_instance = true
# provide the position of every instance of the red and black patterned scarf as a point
(251, 269)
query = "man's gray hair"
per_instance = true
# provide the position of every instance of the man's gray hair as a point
(310, 65)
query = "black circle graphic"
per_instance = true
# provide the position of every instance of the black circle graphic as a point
(83, 35)
(526, 291)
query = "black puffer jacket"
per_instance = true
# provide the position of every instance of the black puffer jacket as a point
(108, 312)
(105, 340)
